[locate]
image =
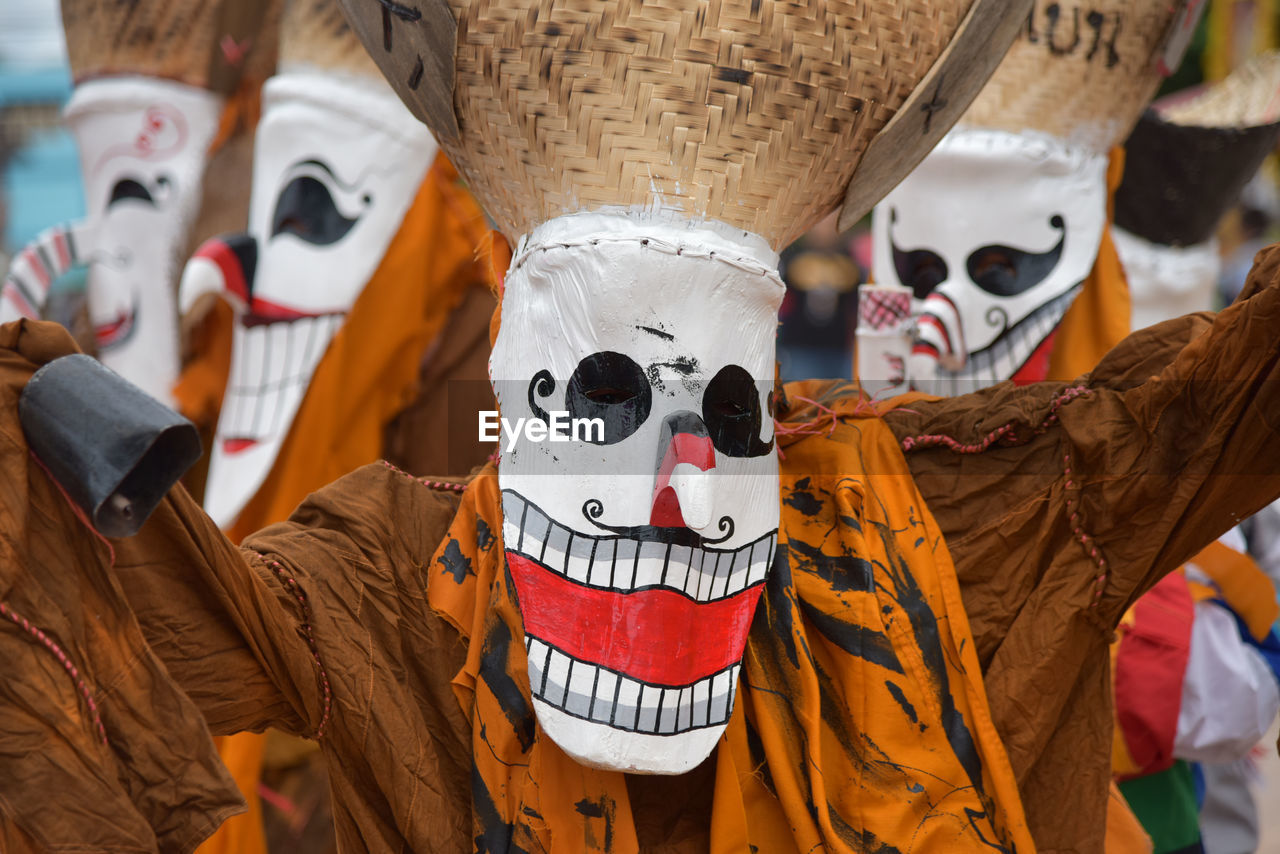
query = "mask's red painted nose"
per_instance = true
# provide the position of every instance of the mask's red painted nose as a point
(682, 498)
(224, 266)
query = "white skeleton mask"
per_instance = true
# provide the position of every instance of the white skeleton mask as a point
(1167, 281)
(638, 560)
(337, 162)
(994, 232)
(143, 144)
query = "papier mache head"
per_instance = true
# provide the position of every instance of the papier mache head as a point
(647, 161)
(998, 228)
(338, 162)
(150, 82)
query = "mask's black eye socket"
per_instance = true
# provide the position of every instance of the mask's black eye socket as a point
(612, 387)
(731, 411)
(129, 189)
(993, 270)
(920, 270)
(305, 207)
(1007, 271)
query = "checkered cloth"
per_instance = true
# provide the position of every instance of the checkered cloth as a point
(882, 307)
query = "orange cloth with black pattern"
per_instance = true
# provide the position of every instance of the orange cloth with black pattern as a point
(861, 719)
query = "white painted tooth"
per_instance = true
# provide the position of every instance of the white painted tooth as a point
(647, 709)
(577, 567)
(701, 695)
(535, 652)
(598, 571)
(646, 572)
(760, 567)
(670, 710)
(511, 532)
(734, 564)
(684, 720)
(558, 667)
(626, 564)
(602, 710)
(570, 565)
(720, 684)
(628, 701)
(679, 574)
(705, 575)
(564, 695)
(698, 570)
(564, 559)
(578, 699)
(264, 396)
(295, 348)
(744, 578)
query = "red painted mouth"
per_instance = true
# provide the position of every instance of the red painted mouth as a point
(654, 635)
(236, 445)
(117, 331)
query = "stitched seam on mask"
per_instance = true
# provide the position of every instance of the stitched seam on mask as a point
(300, 595)
(930, 440)
(747, 265)
(66, 662)
(439, 485)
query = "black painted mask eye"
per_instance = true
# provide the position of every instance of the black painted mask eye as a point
(731, 411)
(612, 387)
(922, 270)
(1006, 272)
(128, 188)
(305, 208)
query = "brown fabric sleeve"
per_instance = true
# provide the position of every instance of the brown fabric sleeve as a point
(100, 750)
(254, 635)
(1167, 444)
(257, 636)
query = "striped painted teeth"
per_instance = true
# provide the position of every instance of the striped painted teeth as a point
(702, 573)
(272, 365)
(594, 693)
(1007, 353)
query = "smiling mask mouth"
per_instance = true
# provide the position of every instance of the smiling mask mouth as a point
(640, 635)
(1005, 356)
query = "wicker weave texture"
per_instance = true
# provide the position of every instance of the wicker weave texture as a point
(180, 40)
(751, 112)
(1248, 98)
(1082, 72)
(316, 33)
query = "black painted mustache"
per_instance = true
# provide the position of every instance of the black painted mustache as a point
(593, 509)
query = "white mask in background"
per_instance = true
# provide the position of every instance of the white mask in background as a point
(994, 232)
(143, 144)
(338, 160)
(1167, 281)
(638, 558)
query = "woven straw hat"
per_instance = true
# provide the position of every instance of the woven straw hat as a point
(198, 42)
(315, 33)
(1191, 155)
(1083, 73)
(752, 112)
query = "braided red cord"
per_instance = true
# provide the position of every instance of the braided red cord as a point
(73, 671)
(301, 596)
